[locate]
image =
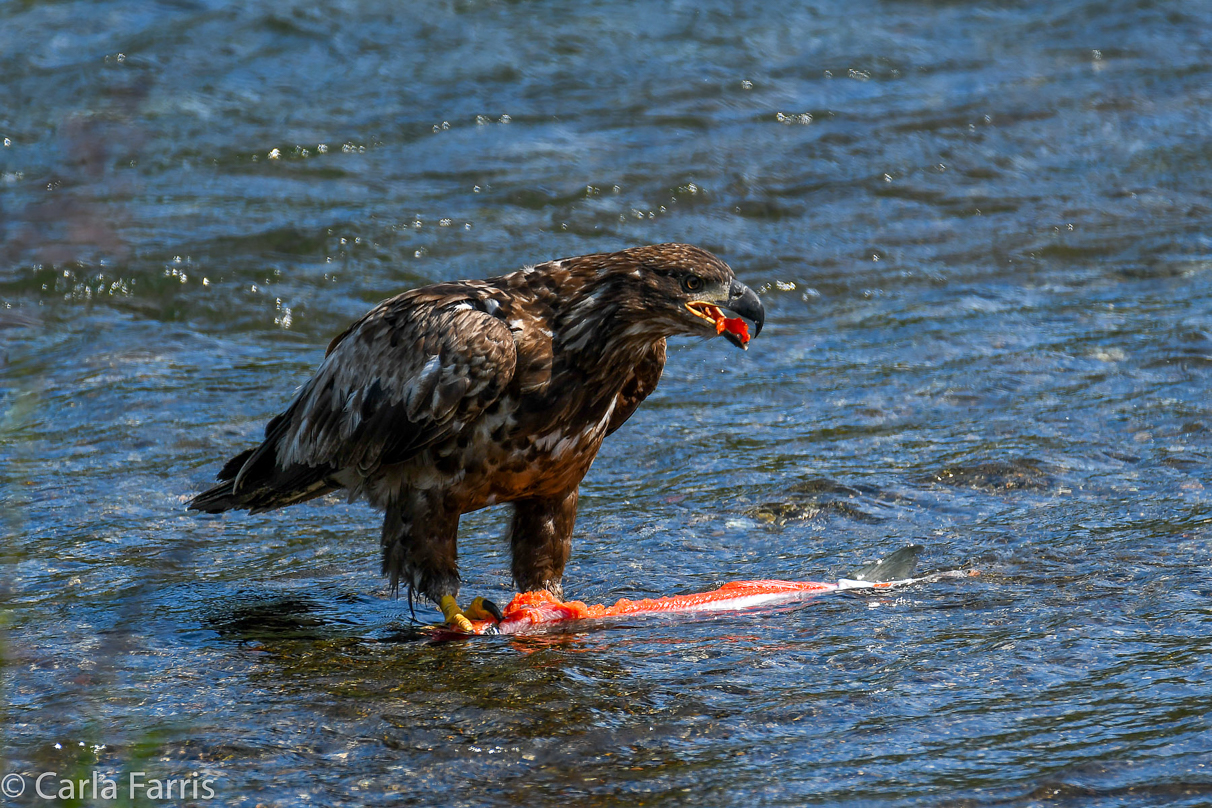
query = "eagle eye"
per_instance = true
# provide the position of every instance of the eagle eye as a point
(692, 283)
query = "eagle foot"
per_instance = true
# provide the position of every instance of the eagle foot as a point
(460, 620)
(484, 609)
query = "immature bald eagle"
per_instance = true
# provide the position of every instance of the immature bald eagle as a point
(456, 396)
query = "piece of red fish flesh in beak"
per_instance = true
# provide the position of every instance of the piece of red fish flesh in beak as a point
(743, 301)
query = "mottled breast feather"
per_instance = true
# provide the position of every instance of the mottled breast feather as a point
(639, 385)
(409, 374)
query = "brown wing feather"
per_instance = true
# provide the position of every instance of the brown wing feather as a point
(412, 372)
(407, 375)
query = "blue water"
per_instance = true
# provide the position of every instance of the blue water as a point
(982, 238)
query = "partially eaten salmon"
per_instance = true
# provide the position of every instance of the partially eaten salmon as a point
(734, 329)
(537, 612)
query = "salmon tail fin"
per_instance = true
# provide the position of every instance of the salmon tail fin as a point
(896, 567)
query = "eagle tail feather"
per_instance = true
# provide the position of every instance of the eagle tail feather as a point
(232, 467)
(220, 498)
(252, 481)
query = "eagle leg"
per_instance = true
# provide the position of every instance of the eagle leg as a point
(419, 548)
(540, 537)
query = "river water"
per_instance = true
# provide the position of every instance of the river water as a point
(981, 232)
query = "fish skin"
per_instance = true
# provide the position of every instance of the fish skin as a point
(539, 612)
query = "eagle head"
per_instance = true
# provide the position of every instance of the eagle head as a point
(679, 289)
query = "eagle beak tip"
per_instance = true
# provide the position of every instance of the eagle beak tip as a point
(745, 302)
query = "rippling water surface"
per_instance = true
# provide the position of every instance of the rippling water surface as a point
(982, 235)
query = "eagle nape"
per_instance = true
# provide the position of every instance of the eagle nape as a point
(463, 395)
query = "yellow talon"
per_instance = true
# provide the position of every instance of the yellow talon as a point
(483, 609)
(454, 615)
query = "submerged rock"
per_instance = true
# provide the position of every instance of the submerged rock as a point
(814, 499)
(1014, 475)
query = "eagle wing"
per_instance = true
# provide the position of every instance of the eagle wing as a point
(411, 373)
(404, 377)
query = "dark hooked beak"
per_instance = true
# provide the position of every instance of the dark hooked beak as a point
(743, 301)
